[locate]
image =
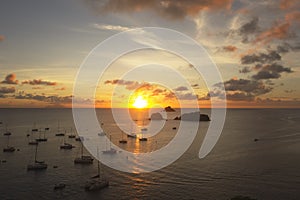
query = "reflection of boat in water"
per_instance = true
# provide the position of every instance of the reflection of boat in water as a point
(83, 159)
(97, 182)
(37, 165)
(110, 150)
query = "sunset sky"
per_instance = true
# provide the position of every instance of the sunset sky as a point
(255, 45)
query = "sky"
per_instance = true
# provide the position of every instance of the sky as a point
(254, 44)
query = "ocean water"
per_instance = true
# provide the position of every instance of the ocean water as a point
(268, 169)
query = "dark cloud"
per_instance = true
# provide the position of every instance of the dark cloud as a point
(44, 98)
(173, 9)
(248, 28)
(39, 82)
(187, 96)
(181, 88)
(289, 91)
(10, 79)
(286, 47)
(278, 31)
(240, 96)
(271, 71)
(7, 90)
(244, 85)
(261, 58)
(245, 70)
(129, 85)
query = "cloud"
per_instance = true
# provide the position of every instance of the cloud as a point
(240, 96)
(261, 58)
(175, 9)
(245, 70)
(287, 4)
(181, 88)
(245, 85)
(44, 98)
(110, 27)
(278, 31)
(248, 28)
(271, 71)
(293, 16)
(286, 47)
(7, 90)
(230, 48)
(129, 85)
(39, 82)
(10, 79)
(2, 38)
(62, 88)
(187, 96)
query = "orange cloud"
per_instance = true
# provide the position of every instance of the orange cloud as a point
(230, 48)
(287, 4)
(175, 9)
(2, 38)
(10, 79)
(39, 82)
(278, 31)
(293, 16)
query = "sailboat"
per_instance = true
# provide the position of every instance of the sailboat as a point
(97, 182)
(40, 139)
(72, 135)
(37, 165)
(132, 135)
(66, 145)
(8, 148)
(83, 159)
(59, 132)
(110, 150)
(122, 141)
(6, 133)
(143, 138)
(33, 141)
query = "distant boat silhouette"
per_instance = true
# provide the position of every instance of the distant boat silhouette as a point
(8, 148)
(110, 150)
(37, 165)
(97, 182)
(72, 135)
(122, 141)
(83, 159)
(59, 132)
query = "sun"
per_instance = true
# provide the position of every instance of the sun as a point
(140, 102)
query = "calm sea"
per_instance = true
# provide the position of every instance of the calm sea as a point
(268, 169)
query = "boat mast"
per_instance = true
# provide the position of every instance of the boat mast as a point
(35, 153)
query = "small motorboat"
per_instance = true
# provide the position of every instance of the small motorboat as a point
(67, 146)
